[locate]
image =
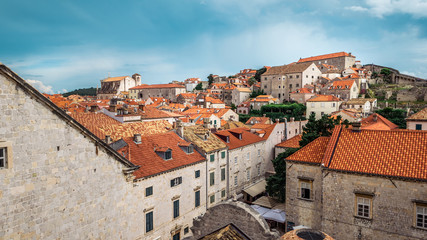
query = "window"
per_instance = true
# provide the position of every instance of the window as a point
(168, 154)
(279, 93)
(248, 174)
(212, 199)
(297, 76)
(312, 104)
(222, 174)
(212, 157)
(297, 85)
(223, 154)
(197, 198)
(248, 156)
(186, 230)
(259, 152)
(176, 208)
(148, 222)
(211, 178)
(279, 86)
(322, 113)
(197, 174)
(189, 149)
(176, 181)
(421, 218)
(290, 85)
(223, 193)
(176, 236)
(333, 104)
(235, 160)
(3, 157)
(417, 127)
(235, 180)
(322, 104)
(149, 191)
(265, 86)
(305, 189)
(363, 206)
(258, 170)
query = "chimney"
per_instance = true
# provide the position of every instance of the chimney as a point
(179, 128)
(292, 119)
(277, 120)
(137, 138)
(357, 126)
(93, 108)
(141, 107)
(375, 117)
(206, 123)
(108, 139)
(112, 108)
(263, 115)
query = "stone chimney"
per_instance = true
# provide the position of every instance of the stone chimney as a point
(137, 138)
(206, 123)
(141, 107)
(277, 120)
(112, 108)
(292, 119)
(108, 139)
(179, 128)
(357, 126)
(263, 115)
(93, 108)
(375, 117)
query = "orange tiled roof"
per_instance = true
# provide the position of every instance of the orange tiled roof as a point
(397, 153)
(144, 154)
(234, 142)
(325, 56)
(323, 98)
(214, 100)
(302, 90)
(266, 128)
(342, 84)
(311, 153)
(291, 143)
(158, 86)
(188, 95)
(258, 120)
(381, 123)
(421, 115)
(114, 79)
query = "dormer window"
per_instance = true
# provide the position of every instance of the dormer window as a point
(189, 149)
(240, 136)
(164, 152)
(227, 139)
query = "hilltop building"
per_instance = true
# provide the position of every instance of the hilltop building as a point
(115, 86)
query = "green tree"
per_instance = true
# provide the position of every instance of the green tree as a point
(321, 127)
(386, 75)
(252, 81)
(233, 106)
(82, 92)
(210, 79)
(396, 116)
(255, 94)
(259, 72)
(276, 184)
(199, 87)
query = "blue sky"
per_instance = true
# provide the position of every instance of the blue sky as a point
(64, 45)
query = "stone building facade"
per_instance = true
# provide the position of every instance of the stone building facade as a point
(340, 60)
(168, 91)
(113, 86)
(279, 81)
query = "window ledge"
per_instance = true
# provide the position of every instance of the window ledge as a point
(419, 228)
(364, 218)
(306, 199)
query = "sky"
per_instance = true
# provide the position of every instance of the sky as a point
(60, 46)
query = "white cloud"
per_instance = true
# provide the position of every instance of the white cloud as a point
(40, 86)
(357, 9)
(381, 8)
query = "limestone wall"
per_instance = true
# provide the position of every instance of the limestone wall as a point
(393, 211)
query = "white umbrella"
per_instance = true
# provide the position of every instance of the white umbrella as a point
(275, 215)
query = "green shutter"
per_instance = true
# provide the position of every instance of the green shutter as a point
(212, 157)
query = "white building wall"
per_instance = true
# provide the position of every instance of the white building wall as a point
(322, 107)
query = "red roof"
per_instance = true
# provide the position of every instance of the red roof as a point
(144, 86)
(247, 137)
(312, 152)
(325, 56)
(377, 122)
(397, 153)
(323, 98)
(302, 90)
(344, 84)
(144, 154)
(256, 120)
(291, 143)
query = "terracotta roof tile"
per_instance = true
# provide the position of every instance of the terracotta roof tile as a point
(312, 152)
(421, 115)
(285, 69)
(323, 98)
(325, 56)
(158, 86)
(291, 143)
(396, 153)
(343, 84)
(144, 154)
(302, 90)
(114, 79)
(380, 123)
(247, 137)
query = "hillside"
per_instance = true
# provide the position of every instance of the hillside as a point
(82, 92)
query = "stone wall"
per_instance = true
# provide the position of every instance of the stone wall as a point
(61, 184)
(298, 210)
(393, 211)
(240, 214)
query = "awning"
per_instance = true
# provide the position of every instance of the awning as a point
(275, 215)
(259, 209)
(256, 189)
(265, 201)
